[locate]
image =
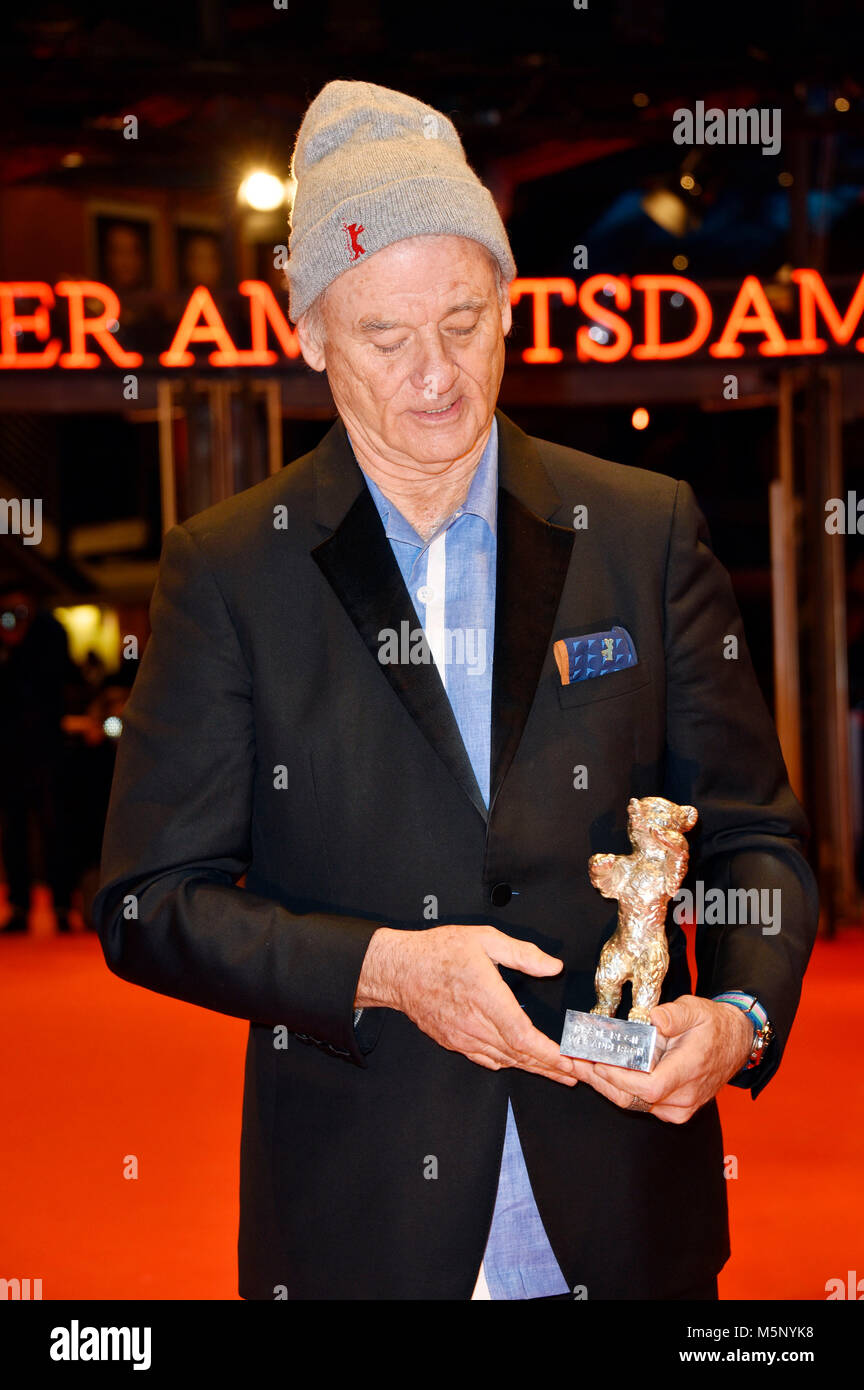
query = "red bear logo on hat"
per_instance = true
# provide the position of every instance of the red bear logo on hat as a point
(352, 231)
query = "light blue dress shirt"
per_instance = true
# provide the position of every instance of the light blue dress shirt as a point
(452, 576)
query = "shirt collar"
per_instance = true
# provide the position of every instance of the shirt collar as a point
(482, 499)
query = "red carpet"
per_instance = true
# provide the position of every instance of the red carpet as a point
(95, 1070)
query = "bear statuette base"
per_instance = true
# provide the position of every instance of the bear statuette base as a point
(616, 1041)
(643, 882)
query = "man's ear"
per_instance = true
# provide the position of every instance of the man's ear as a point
(313, 353)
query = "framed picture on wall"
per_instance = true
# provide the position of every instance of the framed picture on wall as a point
(123, 248)
(200, 256)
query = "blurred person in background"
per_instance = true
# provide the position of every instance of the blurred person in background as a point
(34, 671)
(92, 728)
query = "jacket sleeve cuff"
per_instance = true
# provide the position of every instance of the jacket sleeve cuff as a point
(326, 1016)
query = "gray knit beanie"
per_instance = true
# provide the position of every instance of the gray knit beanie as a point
(374, 166)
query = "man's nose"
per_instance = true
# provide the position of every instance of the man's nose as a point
(435, 370)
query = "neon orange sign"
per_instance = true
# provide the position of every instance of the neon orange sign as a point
(30, 316)
(12, 324)
(751, 313)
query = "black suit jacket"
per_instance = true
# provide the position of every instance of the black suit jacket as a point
(264, 737)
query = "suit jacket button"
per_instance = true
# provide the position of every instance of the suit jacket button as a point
(501, 895)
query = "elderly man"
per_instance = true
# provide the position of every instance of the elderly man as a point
(350, 696)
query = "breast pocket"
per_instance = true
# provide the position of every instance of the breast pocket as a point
(598, 688)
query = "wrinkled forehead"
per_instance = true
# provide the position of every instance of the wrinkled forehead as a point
(418, 272)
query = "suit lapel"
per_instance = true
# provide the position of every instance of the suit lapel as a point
(532, 560)
(532, 563)
(359, 564)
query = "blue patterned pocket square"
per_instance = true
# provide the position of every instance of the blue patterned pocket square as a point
(597, 654)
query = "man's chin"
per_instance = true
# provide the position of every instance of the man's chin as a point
(441, 440)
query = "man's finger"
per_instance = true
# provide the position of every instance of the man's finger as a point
(674, 1070)
(507, 1035)
(516, 1033)
(528, 1044)
(552, 1076)
(493, 1058)
(553, 1073)
(675, 1018)
(587, 1071)
(521, 955)
(620, 1085)
(674, 1114)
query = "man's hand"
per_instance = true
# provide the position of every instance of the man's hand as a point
(444, 979)
(708, 1044)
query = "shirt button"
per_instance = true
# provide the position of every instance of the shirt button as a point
(426, 594)
(501, 895)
